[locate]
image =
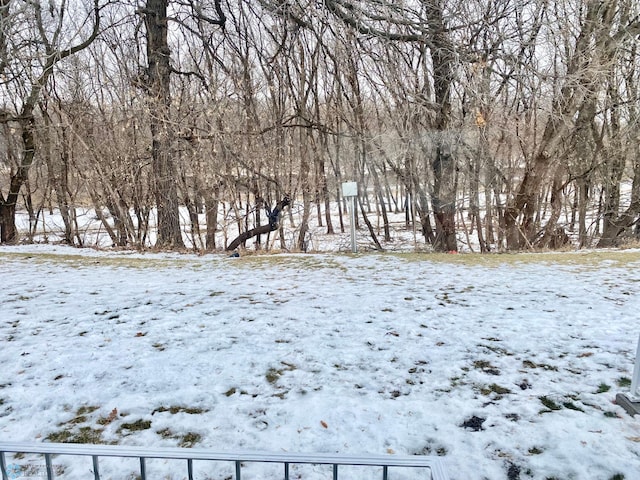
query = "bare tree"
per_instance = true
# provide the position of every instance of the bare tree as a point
(45, 37)
(596, 44)
(425, 24)
(521, 113)
(157, 83)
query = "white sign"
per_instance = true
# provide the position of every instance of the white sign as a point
(350, 189)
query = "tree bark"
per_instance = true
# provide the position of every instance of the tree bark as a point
(158, 90)
(211, 206)
(444, 166)
(444, 201)
(8, 230)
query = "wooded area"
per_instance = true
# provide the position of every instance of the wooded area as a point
(517, 119)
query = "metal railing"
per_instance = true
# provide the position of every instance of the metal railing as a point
(434, 464)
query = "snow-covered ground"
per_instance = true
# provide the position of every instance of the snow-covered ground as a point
(506, 366)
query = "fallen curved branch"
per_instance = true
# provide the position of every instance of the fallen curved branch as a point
(274, 222)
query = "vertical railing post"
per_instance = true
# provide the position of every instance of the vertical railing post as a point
(96, 467)
(190, 468)
(286, 471)
(47, 461)
(385, 472)
(143, 469)
(3, 467)
(335, 471)
(631, 401)
(238, 469)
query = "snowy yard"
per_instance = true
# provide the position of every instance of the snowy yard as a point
(507, 366)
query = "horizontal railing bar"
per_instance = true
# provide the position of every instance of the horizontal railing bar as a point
(203, 454)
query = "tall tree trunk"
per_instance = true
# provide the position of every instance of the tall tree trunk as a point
(159, 92)
(444, 165)
(211, 206)
(587, 146)
(379, 194)
(444, 200)
(474, 196)
(553, 236)
(8, 230)
(59, 177)
(582, 185)
(323, 189)
(613, 222)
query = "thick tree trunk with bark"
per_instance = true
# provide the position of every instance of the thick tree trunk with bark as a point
(158, 89)
(444, 201)
(553, 235)
(444, 166)
(614, 227)
(8, 230)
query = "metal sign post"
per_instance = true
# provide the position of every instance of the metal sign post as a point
(631, 402)
(350, 191)
(635, 381)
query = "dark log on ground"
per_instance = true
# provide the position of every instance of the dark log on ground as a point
(274, 222)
